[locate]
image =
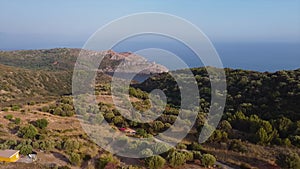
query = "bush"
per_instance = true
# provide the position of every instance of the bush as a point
(45, 109)
(181, 146)
(176, 158)
(9, 117)
(15, 107)
(237, 145)
(288, 160)
(17, 121)
(146, 152)
(28, 131)
(71, 145)
(5, 109)
(197, 155)
(41, 123)
(75, 159)
(25, 149)
(105, 159)
(155, 162)
(208, 160)
(195, 146)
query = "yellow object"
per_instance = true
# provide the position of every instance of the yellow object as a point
(9, 155)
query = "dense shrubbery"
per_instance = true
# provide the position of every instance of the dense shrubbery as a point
(155, 162)
(41, 123)
(261, 105)
(288, 160)
(28, 131)
(63, 107)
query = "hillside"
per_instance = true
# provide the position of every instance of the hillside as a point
(64, 59)
(24, 85)
(269, 95)
(261, 121)
(38, 74)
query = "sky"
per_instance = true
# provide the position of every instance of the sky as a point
(33, 24)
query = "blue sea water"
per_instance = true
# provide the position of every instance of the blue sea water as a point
(257, 56)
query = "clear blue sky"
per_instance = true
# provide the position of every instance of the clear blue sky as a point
(230, 20)
(30, 24)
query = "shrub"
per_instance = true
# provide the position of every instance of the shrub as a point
(71, 145)
(159, 148)
(181, 146)
(208, 160)
(9, 117)
(45, 109)
(176, 158)
(58, 111)
(35, 145)
(5, 109)
(146, 152)
(105, 159)
(197, 155)
(289, 160)
(155, 162)
(141, 132)
(28, 131)
(189, 156)
(17, 121)
(15, 107)
(196, 146)
(41, 123)
(237, 145)
(75, 159)
(26, 149)
(31, 103)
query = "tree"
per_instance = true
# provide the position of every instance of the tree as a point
(41, 123)
(155, 162)
(106, 159)
(75, 159)
(141, 132)
(195, 146)
(263, 137)
(71, 145)
(159, 148)
(176, 158)
(208, 160)
(289, 160)
(28, 131)
(146, 152)
(26, 149)
(158, 126)
(58, 111)
(117, 120)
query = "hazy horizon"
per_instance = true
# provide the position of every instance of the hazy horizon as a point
(256, 35)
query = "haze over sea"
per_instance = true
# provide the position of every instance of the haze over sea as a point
(257, 56)
(253, 35)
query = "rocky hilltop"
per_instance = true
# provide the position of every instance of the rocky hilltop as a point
(65, 59)
(132, 63)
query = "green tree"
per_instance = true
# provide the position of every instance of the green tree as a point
(28, 131)
(146, 152)
(58, 111)
(208, 160)
(75, 159)
(9, 117)
(41, 123)
(176, 158)
(158, 126)
(289, 160)
(155, 162)
(17, 121)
